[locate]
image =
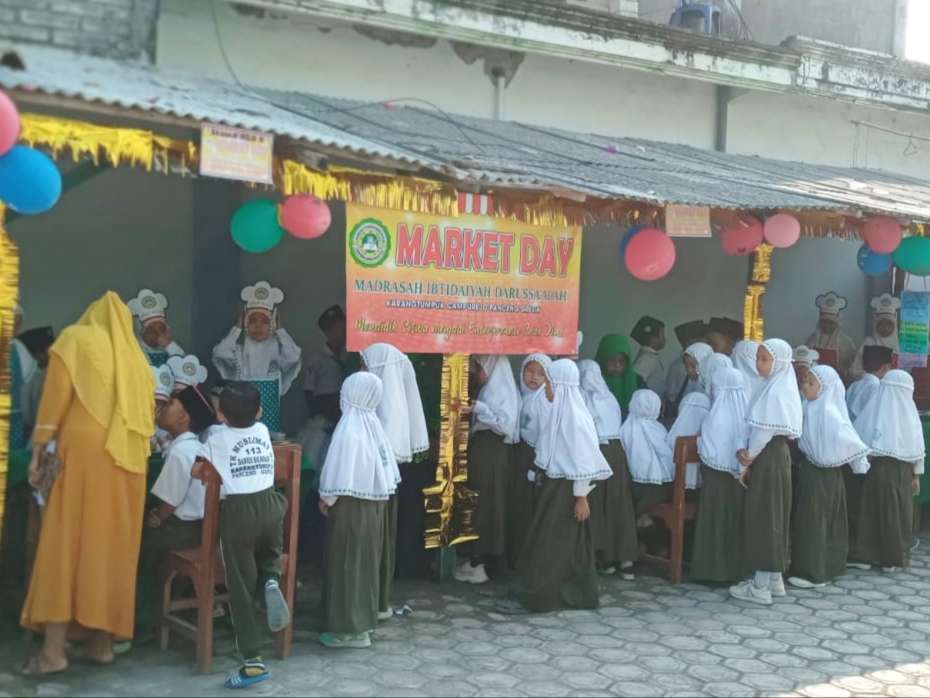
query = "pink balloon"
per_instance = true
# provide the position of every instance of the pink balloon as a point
(882, 234)
(650, 254)
(305, 216)
(741, 237)
(782, 230)
(9, 123)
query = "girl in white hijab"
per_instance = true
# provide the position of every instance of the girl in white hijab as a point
(534, 411)
(692, 358)
(401, 415)
(708, 367)
(819, 529)
(891, 428)
(744, 358)
(691, 415)
(648, 454)
(613, 517)
(718, 535)
(774, 416)
(495, 429)
(355, 485)
(557, 568)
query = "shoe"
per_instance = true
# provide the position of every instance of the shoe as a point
(802, 583)
(252, 671)
(279, 615)
(345, 642)
(890, 570)
(510, 607)
(121, 648)
(471, 574)
(747, 591)
(626, 573)
(858, 566)
(777, 587)
(607, 571)
(386, 615)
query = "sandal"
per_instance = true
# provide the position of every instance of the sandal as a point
(32, 668)
(252, 671)
(80, 654)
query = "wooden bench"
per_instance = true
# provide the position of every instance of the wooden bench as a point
(676, 512)
(204, 566)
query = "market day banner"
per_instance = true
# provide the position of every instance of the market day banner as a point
(470, 284)
(914, 330)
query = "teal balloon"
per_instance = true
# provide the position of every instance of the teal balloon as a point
(29, 180)
(255, 226)
(913, 256)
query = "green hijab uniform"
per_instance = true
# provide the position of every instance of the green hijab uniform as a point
(624, 385)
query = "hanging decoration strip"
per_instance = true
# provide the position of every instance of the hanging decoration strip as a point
(9, 289)
(753, 320)
(450, 504)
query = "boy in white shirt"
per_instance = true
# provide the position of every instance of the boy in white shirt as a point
(251, 523)
(174, 524)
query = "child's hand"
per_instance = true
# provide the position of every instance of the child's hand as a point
(582, 510)
(744, 476)
(324, 508)
(153, 520)
(34, 474)
(744, 458)
(197, 470)
(915, 485)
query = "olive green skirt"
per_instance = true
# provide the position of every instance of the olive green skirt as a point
(886, 514)
(520, 500)
(853, 485)
(490, 475)
(646, 496)
(767, 512)
(613, 516)
(819, 529)
(717, 555)
(556, 569)
(352, 587)
(388, 552)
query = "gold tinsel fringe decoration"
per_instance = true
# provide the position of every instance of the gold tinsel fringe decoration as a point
(9, 291)
(450, 505)
(116, 146)
(753, 321)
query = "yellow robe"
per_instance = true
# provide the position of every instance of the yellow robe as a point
(85, 567)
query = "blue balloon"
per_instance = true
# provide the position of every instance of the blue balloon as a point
(627, 236)
(872, 263)
(29, 180)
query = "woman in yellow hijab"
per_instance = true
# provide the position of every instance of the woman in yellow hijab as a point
(97, 406)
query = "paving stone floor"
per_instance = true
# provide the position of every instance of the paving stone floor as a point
(869, 634)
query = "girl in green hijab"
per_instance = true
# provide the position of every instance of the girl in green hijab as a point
(615, 359)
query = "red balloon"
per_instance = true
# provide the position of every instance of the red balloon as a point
(9, 123)
(882, 234)
(741, 237)
(650, 254)
(782, 230)
(305, 216)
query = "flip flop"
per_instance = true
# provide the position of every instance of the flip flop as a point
(32, 668)
(78, 653)
(239, 679)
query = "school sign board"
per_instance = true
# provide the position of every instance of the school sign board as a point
(469, 284)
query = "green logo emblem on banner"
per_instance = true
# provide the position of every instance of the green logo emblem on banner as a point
(370, 242)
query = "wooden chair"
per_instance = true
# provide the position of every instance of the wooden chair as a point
(675, 513)
(204, 566)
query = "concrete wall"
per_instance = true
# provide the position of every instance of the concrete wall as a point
(123, 230)
(116, 28)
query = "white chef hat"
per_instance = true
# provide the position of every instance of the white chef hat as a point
(262, 295)
(805, 355)
(164, 381)
(148, 305)
(886, 305)
(831, 304)
(187, 370)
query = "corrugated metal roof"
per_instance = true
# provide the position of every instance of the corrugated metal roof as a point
(492, 153)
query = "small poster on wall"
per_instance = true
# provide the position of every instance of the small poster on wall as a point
(915, 328)
(235, 153)
(687, 221)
